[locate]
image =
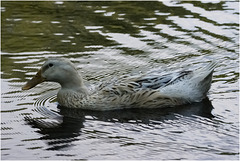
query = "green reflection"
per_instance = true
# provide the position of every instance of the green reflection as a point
(62, 27)
(76, 27)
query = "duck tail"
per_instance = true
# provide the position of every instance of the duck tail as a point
(208, 69)
(204, 77)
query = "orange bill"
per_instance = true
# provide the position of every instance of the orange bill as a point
(37, 79)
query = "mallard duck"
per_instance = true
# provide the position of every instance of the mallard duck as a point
(144, 91)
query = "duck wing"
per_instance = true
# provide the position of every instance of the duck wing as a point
(147, 82)
(159, 81)
(138, 91)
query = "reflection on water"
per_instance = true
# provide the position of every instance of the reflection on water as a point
(72, 120)
(106, 40)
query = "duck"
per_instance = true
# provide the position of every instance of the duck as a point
(150, 90)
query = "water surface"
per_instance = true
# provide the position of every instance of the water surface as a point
(110, 39)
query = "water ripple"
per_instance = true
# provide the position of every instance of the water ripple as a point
(108, 40)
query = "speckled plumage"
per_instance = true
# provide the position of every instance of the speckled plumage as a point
(145, 91)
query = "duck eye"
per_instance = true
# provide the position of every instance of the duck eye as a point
(50, 65)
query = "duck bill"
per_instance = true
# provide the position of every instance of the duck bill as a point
(37, 79)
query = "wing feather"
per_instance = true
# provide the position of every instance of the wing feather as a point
(162, 81)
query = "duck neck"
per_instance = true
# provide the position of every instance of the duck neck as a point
(75, 83)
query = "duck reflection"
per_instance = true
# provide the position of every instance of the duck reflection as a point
(65, 126)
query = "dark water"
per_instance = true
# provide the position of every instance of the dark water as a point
(106, 40)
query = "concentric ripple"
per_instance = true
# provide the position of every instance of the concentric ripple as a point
(46, 100)
(43, 105)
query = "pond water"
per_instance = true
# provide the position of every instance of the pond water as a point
(110, 39)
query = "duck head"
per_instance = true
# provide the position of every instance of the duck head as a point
(58, 70)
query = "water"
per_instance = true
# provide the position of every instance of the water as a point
(110, 39)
